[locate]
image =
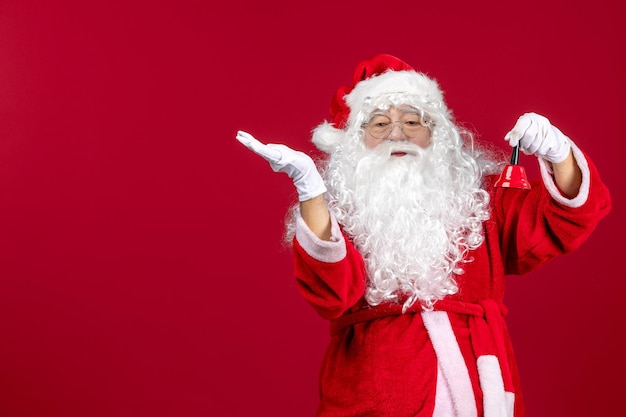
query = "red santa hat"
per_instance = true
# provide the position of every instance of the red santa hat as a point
(377, 77)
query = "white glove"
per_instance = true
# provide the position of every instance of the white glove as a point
(297, 165)
(537, 136)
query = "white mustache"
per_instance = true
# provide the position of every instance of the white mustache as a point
(391, 147)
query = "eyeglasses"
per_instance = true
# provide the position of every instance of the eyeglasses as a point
(411, 124)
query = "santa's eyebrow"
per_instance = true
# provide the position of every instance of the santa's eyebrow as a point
(409, 109)
(378, 112)
(405, 109)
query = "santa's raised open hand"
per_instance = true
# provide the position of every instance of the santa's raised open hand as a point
(297, 165)
(536, 135)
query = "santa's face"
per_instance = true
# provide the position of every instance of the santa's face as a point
(399, 125)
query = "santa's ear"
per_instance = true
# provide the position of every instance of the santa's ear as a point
(326, 137)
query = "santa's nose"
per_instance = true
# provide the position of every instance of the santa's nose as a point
(396, 132)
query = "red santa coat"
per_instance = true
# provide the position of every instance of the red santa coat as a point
(458, 359)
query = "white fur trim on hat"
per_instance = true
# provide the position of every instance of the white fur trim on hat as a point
(403, 87)
(423, 91)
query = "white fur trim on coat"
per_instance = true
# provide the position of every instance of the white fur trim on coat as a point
(548, 180)
(328, 251)
(452, 365)
(496, 402)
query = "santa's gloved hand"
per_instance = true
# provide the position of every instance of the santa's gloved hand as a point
(536, 135)
(297, 165)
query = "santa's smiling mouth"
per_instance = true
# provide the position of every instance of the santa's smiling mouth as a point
(399, 151)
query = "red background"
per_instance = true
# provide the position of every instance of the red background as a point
(141, 268)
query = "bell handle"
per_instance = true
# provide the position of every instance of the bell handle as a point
(515, 155)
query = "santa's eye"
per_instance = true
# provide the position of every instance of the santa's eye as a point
(379, 121)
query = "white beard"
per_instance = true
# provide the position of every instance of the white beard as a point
(409, 218)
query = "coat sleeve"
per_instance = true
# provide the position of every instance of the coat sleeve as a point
(330, 274)
(537, 225)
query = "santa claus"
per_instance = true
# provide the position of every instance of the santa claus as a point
(402, 242)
